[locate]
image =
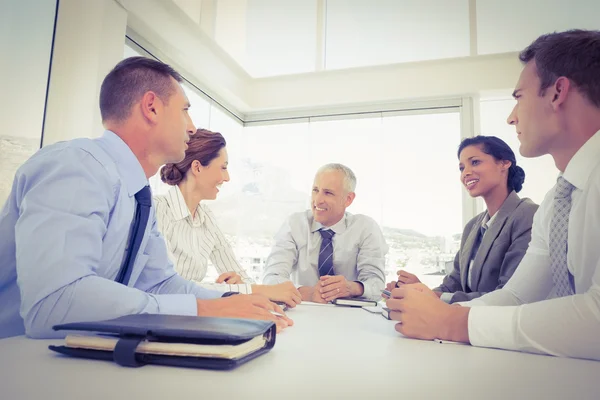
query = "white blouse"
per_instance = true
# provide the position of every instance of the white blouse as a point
(192, 241)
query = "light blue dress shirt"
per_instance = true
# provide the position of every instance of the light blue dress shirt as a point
(359, 250)
(64, 231)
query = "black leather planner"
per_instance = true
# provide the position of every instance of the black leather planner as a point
(174, 340)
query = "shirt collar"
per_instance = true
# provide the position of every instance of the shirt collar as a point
(178, 205)
(338, 227)
(129, 167)
(583, 162)
(487, 221)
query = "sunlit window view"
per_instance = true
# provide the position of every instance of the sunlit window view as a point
(400, 175)
(407, 180)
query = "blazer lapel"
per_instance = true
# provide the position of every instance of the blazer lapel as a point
(509, 205)
(465, 253)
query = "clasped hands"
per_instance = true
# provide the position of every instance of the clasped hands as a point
(330, 288)
(421, 314)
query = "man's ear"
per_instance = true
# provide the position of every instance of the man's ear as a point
(150, 105)
(349, 199)
(560, 91)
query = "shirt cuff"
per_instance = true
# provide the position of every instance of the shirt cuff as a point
(446, 297)
(493, 326)
(177, 304)
(206, 294)
(472, 303)
(371, 291)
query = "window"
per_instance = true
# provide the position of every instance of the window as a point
(257, 32)
(269, 181)
(421, 202)
(408, 186)
(406, 183)
(361, 33)
(25, 62)
(511, 25)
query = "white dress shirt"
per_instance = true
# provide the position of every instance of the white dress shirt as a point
(359, 250)
(193, 240)
(567, 326)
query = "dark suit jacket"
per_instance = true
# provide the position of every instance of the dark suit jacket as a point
(499, 254)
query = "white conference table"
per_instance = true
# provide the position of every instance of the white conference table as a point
(330, 353)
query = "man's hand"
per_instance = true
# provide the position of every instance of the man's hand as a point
(311, 293)
(406, 278)
(421, 287)
(332, 287)
(244, 306)
(285, 292)
(230, 277)
(422, 315)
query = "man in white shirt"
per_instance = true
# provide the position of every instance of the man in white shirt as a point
(330, 252)
(551, 305)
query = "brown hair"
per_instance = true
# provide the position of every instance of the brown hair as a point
(203, 146)
(129, 80)
(574, 54)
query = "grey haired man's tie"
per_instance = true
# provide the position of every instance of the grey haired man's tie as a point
(326, 253)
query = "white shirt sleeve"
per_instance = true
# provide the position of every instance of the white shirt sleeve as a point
(283, 257)
(520, 318)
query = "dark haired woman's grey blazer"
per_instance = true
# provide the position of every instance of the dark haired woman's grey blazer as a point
(499, 254)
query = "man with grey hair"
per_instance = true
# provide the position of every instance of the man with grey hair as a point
(326, 251)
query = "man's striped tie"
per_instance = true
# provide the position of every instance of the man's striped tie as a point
(326, 253)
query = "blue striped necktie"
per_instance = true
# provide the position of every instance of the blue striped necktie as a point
(142, 212)
(326, 253)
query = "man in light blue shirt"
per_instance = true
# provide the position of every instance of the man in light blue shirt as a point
(66, 224)
(328, 252)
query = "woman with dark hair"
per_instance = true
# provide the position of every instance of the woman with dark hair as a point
(190, 229)
(494, 242)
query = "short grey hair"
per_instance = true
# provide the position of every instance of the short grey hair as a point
(349, 177)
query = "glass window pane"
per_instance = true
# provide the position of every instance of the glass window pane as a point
(520, 22)
(278, 27)
(415, 196)
(357, 144)
(361, 33)
(258, 32)
(421, 202)
(269, 181)
(227, 203)
(25, 44)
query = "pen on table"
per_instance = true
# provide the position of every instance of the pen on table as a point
(447, 341)
(276, 313)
